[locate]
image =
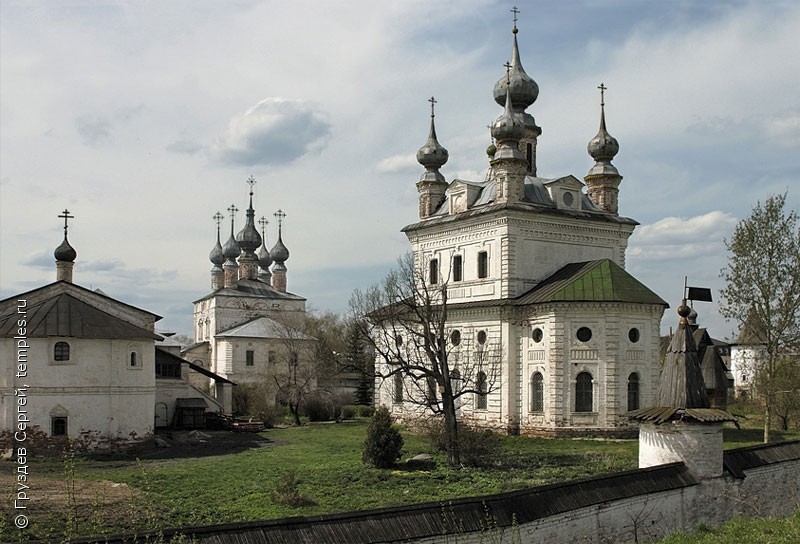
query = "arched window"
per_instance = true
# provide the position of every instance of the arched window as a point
(61, 351)
(537, 392)
(633, 391)
(58, 426)
(134, 362)
(583, 392)
(398, 389)
(480, 386)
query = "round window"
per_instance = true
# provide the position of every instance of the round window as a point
(481, 337)
(584, 334)
(537, 335)
(568, 199)
(633, 335)
(455, 337)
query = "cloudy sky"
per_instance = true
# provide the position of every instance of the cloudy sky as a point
(146, 118)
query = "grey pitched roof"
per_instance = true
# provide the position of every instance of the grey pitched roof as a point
(65, 315)
(738, 460)
(251, 288)
(536, 199)
(263, 327)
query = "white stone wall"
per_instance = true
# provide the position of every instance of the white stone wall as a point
(97, 389)
(698, 445)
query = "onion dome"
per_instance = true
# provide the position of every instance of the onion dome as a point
(521, 87)
(264, 257)
(231, 249)
(217, 257)
(65, 252)
(603, 147)
(432, 155)
(507, 126)
(248, 238)
(279, 252)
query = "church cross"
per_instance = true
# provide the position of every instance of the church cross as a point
(508, 72)
(602, 88)
(251, 181)
(515, 11)
(66, 216)
(433, 101)
(233, 209)
(279, 215)
(263, 222)
(218, 217)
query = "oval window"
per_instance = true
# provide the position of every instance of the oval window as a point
(481, 337)
(455, 337)
(584, 334)
(633, 335)
(537, 335)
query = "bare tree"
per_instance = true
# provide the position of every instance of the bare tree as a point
(296, 369)
(762, 290)
(405, 319)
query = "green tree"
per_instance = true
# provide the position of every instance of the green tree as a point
(384, 443)
(762, 290)
(360, 361)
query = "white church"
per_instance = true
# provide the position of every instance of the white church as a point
(536, 267)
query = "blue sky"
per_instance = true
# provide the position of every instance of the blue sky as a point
(145, 118)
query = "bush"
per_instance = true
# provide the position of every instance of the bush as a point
(288, 492)
(477, 447)
(319, 408)
(365, 411)
(257, 400)
(348, 411)
(384, 443)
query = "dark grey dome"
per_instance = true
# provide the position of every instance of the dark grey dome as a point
(279, 252)
(523, 90)
(65, 252)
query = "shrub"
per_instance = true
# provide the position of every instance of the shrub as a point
(365, 411)
(288, 492)
(319, 408)
(384, 443)
(348, 411)
(477, 447)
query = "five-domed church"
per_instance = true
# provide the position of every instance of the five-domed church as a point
(248, 322)
(534, 268)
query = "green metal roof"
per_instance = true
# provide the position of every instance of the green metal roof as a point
(592, 281)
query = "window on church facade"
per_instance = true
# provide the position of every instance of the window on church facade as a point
(249, 357)
(433, 272)
(537, 392)
(58, 426)
(134, 359)
(584, 334)
(583, 392)
(480, 396)
(61, 351)
(633, 335)
(483, 264)
(168, 369)
(398, 389)
(633, 391)
(458, 268)
(455, 337)
(537, 335)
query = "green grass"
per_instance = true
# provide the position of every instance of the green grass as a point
(744, 531)
(326, 460)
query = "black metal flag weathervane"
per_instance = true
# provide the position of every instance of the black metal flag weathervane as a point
(699, 294)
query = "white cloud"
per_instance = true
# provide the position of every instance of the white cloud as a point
(398, 163)
(678, 238)
(274, 131)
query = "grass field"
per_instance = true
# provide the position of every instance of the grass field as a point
(113, 495)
